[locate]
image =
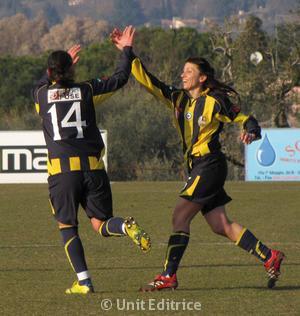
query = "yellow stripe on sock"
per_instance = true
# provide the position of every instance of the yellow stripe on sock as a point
(240, 237)
(258, 251)
(62, 226)
(111, 233)
(67, 253)
(181, 234)
(100, 228)
(168, 253)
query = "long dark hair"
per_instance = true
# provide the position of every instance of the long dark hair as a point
(60, 66)
(211, 82)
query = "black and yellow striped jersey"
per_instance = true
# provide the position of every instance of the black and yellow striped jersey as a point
(68, 116)
(199, 121)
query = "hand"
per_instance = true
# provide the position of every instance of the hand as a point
(115, 36)
(122, 39)
(73, 52)
(247, 138)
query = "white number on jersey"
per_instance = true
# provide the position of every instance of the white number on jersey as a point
(65, 123)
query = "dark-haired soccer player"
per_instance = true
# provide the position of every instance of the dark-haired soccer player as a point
(75, 149)
(200, 110)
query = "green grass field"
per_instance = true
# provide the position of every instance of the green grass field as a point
(34, 271)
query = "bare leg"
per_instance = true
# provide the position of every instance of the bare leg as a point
(220, 224)
(183, 214)
(96, 223)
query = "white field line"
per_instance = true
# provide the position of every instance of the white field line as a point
(279, 243)
(233, 244)
(231, 191)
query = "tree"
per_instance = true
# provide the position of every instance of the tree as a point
(131, 114)
(21, 36)
(126, 13)
(263, 85)
(285, 54)
(17, 75)
(74, 30)
(165, 51)
(143, 144)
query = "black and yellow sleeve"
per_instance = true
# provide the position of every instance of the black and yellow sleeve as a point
(44, 80)
(156, 87)
(104, 88)
(227, 112)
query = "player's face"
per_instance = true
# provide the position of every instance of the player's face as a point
(191, 77)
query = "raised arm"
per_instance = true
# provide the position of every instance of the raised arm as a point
(104, 88)
(153, 85)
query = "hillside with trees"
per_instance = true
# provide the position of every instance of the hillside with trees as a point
(139, 12)
(134, 114)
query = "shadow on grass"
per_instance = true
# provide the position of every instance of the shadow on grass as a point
(207, 289)
(242, 287)
(286, 288)
(110, 268)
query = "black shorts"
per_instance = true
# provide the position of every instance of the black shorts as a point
(205, 182)
(90, 189)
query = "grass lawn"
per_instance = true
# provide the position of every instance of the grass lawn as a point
(224, 279)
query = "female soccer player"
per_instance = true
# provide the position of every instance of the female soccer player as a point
(200, 110)
(75, 149)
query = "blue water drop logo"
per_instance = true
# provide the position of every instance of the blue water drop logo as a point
(265, 154)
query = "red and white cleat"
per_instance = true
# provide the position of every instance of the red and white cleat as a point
(272, 267)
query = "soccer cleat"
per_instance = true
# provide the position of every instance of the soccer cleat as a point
(137, 234)
(80, 289)
(272, 267)
(161, 283)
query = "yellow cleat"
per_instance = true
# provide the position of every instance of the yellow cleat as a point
(80, 289)
(137, 234)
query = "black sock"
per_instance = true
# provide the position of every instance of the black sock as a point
(250, 243)
(74, 249)
(112, 227)
(87, 282)
(177, 244)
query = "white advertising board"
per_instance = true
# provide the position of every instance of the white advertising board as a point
(23, 156)
(275, 157)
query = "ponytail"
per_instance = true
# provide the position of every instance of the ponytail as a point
(60, 66)
(211, 82)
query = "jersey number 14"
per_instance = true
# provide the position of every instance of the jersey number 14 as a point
(66, 123)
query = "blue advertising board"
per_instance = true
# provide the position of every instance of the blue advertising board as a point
(275, 157)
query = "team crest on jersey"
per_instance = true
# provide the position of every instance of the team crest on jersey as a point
(202, 120)
(60, 95)
(188, 116)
